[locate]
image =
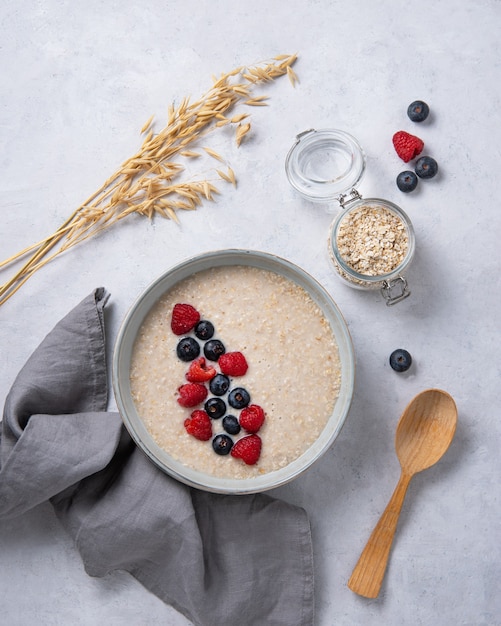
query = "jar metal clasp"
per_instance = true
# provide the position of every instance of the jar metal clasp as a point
(395, 290)
(299, 136)
(347, 198)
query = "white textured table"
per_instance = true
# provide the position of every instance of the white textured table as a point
(78, 82)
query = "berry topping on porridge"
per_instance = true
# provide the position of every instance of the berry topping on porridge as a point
(215, 407)
(238, 398)
(191, 394)
(219, 385)
(200, 372)
(248, 449)
(187, 349)
(233, 364)
(231, 424)
(184, 318)
(204, 330)
(222, 444)
(213, 349)
(252, 418)
(199, 425)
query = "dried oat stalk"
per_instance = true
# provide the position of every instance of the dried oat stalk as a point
(150, 182)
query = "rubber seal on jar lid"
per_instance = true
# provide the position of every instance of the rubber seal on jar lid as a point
(322, 164)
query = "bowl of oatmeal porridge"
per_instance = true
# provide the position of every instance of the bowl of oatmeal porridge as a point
(234, 371)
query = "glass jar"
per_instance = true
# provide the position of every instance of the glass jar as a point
(371, 242)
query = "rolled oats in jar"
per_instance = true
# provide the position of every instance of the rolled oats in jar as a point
(371, 241)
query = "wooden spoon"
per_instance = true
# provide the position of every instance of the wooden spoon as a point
(423, 435)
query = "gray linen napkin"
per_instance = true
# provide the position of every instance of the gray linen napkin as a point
(217, 559)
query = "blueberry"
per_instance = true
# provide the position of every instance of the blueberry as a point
(418, 111)
(238, 398)
(231, 424)
(204, 330)
(400, 360)
(426, 167)
(188, 349)
(215, 408)
(407, 181)
(222, 444)
(213, 349)
(219, 385)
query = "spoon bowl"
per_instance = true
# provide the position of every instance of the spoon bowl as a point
(425, 430)
(424, 433)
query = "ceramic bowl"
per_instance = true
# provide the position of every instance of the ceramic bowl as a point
(122, 362)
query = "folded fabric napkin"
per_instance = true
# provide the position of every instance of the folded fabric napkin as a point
(217, 559)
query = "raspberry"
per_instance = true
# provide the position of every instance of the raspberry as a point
(248, 449)
(407, 146)
(192, 394)
(184, 318)
(199, 425)
(252, 418)
(233, 364)
(199, 372)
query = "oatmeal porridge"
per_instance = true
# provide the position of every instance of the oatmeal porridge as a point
(292, 369)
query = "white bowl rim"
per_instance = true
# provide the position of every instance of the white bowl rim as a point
(123, 350)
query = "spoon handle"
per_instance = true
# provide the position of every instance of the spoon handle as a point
(367, 577)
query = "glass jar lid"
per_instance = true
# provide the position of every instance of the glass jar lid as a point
(322, 164)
